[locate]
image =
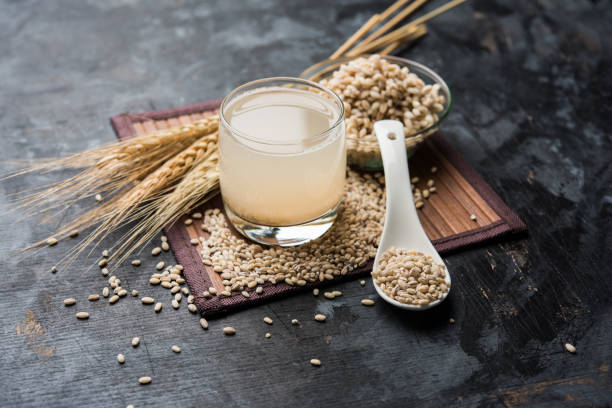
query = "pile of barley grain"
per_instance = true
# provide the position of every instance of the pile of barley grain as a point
(373, 88)
(349, 244)
(411, 277)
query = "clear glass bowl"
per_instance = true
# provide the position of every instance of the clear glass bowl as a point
(364, 153)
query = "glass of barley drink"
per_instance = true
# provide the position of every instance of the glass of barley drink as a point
(282, 159)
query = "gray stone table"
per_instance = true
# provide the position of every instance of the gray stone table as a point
(532, 112)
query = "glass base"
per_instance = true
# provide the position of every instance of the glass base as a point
(287, 236)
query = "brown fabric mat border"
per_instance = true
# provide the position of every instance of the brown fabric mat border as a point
(198, 279)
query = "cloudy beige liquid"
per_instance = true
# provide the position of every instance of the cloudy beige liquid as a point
(278, 169)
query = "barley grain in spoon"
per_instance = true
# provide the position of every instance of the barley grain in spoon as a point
(402, 226)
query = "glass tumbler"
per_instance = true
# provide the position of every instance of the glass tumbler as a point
(282, 159)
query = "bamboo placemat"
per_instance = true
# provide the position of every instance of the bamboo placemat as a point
(460, 192)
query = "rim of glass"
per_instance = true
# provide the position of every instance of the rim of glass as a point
(329, 66)
(288, 80)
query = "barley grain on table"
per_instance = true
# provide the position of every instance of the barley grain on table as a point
(145, 380)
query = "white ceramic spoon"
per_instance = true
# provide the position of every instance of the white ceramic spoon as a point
(402, 226)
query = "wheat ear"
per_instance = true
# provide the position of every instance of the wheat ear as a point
(196, 187)
(124, 208)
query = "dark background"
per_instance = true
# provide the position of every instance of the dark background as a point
(531, 82)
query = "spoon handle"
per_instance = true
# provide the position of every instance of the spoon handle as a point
(400, 204)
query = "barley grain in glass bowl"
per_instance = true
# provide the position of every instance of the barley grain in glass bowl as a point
(363, 152)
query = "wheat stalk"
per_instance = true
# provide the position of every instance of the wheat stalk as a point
(196, 187)
(125, 207)
(110, 168)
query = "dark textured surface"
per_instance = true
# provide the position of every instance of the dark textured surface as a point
(531, 85)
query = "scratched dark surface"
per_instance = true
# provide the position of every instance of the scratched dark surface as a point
(532, 88)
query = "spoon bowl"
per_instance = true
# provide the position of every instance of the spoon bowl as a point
(402, 227)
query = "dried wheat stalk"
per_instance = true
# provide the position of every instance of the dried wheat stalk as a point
(109, 169)
(126, 207)
(196, 187)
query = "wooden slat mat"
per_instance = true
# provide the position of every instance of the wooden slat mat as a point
(460, 193)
